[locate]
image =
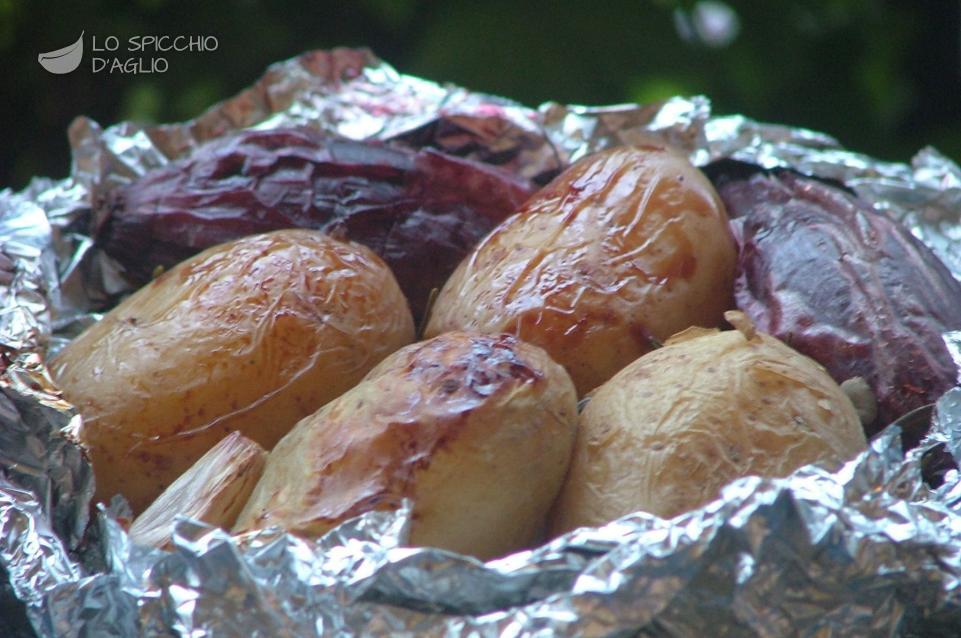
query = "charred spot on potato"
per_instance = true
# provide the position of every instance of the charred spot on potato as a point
(450, 386)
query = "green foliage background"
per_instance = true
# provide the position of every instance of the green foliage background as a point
(884, 77)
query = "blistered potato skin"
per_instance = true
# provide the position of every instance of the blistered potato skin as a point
(670, 430)
(625, 246)
(477, 430)
(251, 336)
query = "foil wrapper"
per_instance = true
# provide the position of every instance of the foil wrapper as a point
(872, 549)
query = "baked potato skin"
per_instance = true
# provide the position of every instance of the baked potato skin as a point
(251, 336)
(477, 430)
(625, 247)
(670, 430)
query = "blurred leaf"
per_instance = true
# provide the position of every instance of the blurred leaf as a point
(11, 12)
(198, 96)
(653, 89)
(392, 13)
(142, 102)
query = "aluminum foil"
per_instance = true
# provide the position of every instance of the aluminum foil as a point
(869, 550)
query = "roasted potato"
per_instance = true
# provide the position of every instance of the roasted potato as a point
(476, 430)
(622, 250)
(671, 429)
(250, 336)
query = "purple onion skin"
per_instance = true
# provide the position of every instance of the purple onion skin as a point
(845, 285)
(421, 211)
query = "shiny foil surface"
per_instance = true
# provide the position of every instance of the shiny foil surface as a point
(871, 550)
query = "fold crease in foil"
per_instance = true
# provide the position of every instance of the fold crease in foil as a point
(868, 550)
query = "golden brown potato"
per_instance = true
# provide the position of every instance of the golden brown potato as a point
(625, 246)
(671, 429)
(251, 335)
(476, 430)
